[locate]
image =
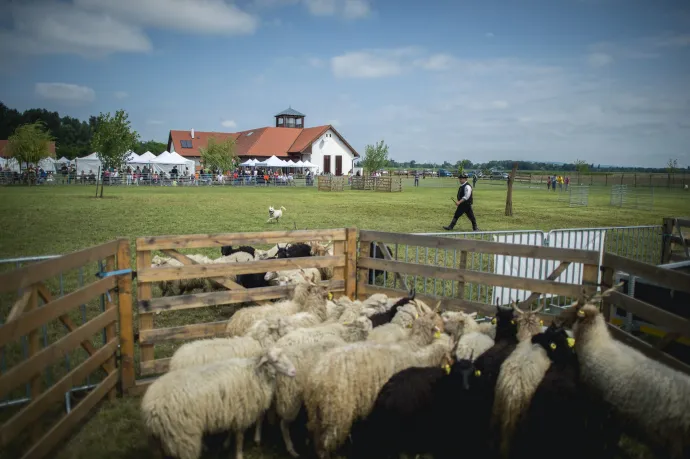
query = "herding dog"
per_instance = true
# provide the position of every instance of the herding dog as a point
(275, 214)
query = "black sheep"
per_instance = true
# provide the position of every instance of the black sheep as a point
(378, 253)
(421, 410)
(294, 251)
(387, 316)
(562, 404)
(228, 250)
(252, 280)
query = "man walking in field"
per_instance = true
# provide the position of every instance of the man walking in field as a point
(463, 204)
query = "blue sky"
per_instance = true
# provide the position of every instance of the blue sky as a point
(607, 81)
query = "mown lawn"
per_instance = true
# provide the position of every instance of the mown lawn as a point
(61, 219)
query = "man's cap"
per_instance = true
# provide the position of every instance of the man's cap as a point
(463, 176)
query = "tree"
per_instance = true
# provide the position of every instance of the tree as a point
(671, 167)
(375, 157)
(581, 167)
(112, 139)
(462, 164)
(219, 155)
(29, 144)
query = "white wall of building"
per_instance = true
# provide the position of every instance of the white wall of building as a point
(330, 145)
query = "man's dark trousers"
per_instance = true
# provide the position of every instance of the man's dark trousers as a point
(463, 208)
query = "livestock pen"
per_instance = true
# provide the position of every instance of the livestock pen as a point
(128, 341)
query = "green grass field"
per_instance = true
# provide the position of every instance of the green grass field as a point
(58, 220)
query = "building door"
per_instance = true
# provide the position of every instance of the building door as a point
(338, 165)
(326, 164)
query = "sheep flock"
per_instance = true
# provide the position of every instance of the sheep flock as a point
(381, 377)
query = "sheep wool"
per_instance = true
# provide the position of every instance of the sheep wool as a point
(398, 329)
(180, 406)
(335, 402)
(651, 398)
(349, 332)
(289, 396)
(472, 342)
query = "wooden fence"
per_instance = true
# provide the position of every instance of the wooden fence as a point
(676, 240)
(343, 261)
(389, 184)
(362, 183)
(330, 183)
(27, 318)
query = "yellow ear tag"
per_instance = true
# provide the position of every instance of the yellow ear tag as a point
(447, 368)
(437, 334)
(347, 323)
(416, 316)
(493, 321)
(553, 346)
(580, 313)
(571, 342)
(477, 373)
(541, 322)
(330, 296)
(512, 322)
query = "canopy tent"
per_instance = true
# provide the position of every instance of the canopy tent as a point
(147, 156)
(63, 160)
(166, 161)
(131, 157)
(249, 162)
(299, 163)
(88, 164)
(309, 165)
(47, 164)
(273, 161)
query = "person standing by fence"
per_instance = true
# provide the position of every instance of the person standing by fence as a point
(416, 178)
(548, 183)
(463, 204)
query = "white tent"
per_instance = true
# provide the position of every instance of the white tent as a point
(89, 164)
(188, 163)
(249, 162)
(63, 160)
(308, 164)
(299, 163)
(273, 161)
(147, 156)
(47, 164)
(131, 157)
(166, 161)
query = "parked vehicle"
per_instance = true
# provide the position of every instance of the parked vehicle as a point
(444, 173)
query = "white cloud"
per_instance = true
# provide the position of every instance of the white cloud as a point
(316, 62)
(356, 9)
(52, 28)
(121, 95)
(154, 122)
(348, 9)
(64, 92)
(228, 124)
(436, 62)
(197, 16)
(599, 59)
(379, 63)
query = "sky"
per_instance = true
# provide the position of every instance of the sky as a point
(605, 81)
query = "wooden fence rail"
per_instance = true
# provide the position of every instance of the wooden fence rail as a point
(26, 319)
(343, 262)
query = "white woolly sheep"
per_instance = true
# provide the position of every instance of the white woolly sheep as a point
(292, 276)
(471, 341)
(289, 396)
(181, 286)
(345, 381)
(180, 406)
(349, 332)
(398, 329)
(237, 257)
(650, 397)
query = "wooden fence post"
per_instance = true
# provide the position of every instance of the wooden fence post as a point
(607, 282)
(339, 272)
(462, 265)
(351, 263)
(124, 287)
(590, 279)
(34, 344)
(110, 329)
(666, 244)
(144, 293)
(363, 273)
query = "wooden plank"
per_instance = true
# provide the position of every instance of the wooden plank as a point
(667, 246)
(141, 386)
(60, 431)
(185, 260)
(38, 272)
(19, 306)
(555, 274)
(124, 299)
(10, 429)
(351, 263)
(439, 272)
(173, 334)
(87, 345)
(447, 303)
(200, 300)
(462, 266)
(666, 340)
(664, 277)
(155, 367)
(683, 222)
(110, 329)
(652, 314)
(388, 256)
(339, 272)
(223, 269)
(648, 349)
(362, 273)
(475, 245)
(590, 279)
(146, 351)
(27, 369)
(607, 283)
(196, 241)
(34, 344)
(31, 320)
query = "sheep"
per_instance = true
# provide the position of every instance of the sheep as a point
(228, 250)
(292, 276)
(387, 316)
(357, 330)
(259, 337)
(180, 286)
(235, 257)
(344, 383)
(399, 328)
(471, 341)
(289, 391)
(305, 296)
(294, 251)
(180, 406)
(538, 434)
(419, 410)
(321, 250)
(651, 399)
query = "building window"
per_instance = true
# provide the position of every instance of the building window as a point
(280, 120)
(186, 143)
(299, 121)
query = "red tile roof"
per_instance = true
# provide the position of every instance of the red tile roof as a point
(261, 142)
(3, 144)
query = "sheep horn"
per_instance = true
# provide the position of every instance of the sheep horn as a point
(413, 292)
(438, 306)
(515, 306)
(539, 308)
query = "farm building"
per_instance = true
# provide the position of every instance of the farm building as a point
(323, 145)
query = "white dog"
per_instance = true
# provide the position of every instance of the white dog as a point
(275, 214)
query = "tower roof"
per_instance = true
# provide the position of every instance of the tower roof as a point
(290, 112)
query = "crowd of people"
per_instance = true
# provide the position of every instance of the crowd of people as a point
(557, 181)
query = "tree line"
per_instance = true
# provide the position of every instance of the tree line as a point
(72, 136)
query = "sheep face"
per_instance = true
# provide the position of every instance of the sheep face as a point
(505, 322)
(425, 329)
(270, 276)
(276, 359)
(465, 370)
(587, 317)
(556, 343)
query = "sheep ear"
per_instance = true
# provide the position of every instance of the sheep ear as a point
(472, 314)
(262, 361)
